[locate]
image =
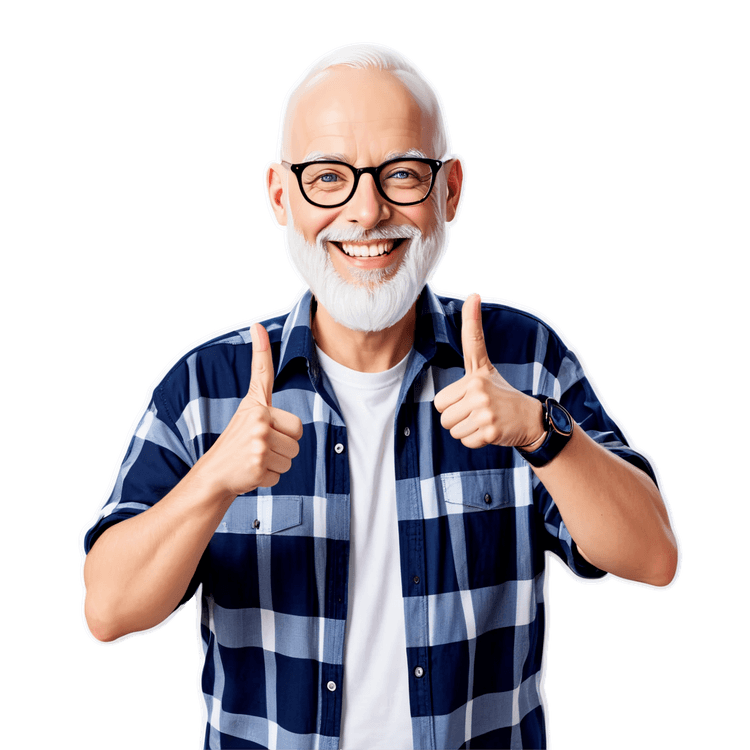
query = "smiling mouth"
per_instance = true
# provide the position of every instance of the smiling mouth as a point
(368, 249)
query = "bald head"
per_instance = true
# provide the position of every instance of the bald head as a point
(395, 73)
(361, 116)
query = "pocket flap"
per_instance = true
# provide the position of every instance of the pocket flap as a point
(263, 514)
(483, 490)
(278, 513)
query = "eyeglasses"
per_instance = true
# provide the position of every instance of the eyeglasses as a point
(330, 184)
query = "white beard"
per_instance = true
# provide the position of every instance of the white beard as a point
(379, 298)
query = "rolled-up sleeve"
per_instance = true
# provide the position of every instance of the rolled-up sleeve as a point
(155, 462)
(575, 393)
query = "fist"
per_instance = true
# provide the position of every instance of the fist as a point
(482, 408)
(260, 441)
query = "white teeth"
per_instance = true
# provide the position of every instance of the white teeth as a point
(367, 251)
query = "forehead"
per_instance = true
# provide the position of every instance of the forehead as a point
(364, 115)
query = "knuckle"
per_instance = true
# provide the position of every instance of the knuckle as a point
(261, 430)
(484, 400)
(257, 461)
(259, 365)
(490, 434)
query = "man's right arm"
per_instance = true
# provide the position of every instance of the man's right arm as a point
(138, 570)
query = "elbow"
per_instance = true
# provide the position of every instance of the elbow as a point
(664, 566)
(101, 627)
(99, 609)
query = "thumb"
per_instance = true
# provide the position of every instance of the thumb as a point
(472, 334)
(261, 373)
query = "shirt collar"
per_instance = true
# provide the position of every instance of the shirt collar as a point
(437, 323)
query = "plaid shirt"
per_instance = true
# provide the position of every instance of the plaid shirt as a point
(473, 529)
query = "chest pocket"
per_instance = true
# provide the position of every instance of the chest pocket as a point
(264, 514)
(490, 548)
(485, 489)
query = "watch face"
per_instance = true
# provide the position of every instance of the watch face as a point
(560, 419)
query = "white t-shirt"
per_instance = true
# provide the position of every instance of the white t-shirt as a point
(376, 683)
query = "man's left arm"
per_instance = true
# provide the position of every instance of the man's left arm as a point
(612, 509)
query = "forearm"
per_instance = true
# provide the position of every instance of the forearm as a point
(613, 511)
(139, 569)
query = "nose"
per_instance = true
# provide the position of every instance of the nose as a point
(367, 207)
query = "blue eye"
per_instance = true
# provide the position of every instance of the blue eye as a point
(328, 177)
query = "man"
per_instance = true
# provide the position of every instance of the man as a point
(368, 519)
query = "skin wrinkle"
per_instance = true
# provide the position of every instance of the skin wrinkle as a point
(318, 156)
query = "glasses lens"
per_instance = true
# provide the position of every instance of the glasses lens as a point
(406, 181)
(327, 184)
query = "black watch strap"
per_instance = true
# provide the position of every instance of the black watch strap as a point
(559, 426)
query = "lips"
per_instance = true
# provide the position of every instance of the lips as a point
(368, 249)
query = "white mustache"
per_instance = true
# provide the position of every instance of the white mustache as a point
(357, 234)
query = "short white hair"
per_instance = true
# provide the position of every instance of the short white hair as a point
(375, 57)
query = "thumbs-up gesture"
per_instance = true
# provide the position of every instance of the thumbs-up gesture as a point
(260, 441)
(482, 408)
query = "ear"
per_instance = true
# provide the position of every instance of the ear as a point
(455, 181)
(276, 184)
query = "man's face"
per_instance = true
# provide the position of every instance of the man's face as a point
(362, 117)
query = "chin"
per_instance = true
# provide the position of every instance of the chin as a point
(376, 299)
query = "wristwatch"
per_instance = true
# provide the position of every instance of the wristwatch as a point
(559, 426)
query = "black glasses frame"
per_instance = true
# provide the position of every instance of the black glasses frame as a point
(434, 165)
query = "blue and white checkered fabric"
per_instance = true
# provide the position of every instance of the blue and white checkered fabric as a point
(474, 526)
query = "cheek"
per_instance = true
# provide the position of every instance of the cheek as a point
(309, 220)
(421, 216)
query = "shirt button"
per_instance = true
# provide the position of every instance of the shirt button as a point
(331, 686)
(487, 499)
(407, 431)
(416, 579)
(419, 672)
(256, 524)
(339, 448)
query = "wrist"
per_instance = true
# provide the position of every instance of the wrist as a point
(533, 445)
(538, 428)
(558, 428)
(208, 484)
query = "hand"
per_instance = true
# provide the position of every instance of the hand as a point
(482, 408)
(260, 441)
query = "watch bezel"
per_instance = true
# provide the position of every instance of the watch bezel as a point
(552, 407)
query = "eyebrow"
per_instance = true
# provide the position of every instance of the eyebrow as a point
(319, 156)
(411, 152)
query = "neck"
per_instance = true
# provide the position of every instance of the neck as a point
(374, 351)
